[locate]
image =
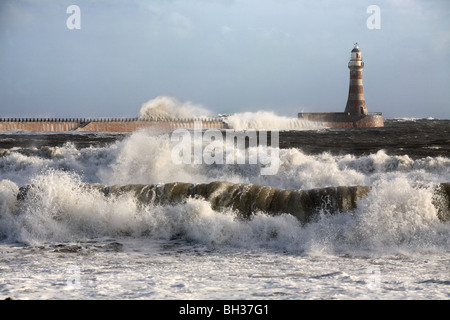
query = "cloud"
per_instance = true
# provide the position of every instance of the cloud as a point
(179, 24)
(226, 30)
(226, 54)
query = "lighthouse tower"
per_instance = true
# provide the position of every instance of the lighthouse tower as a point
(356, 104)
(355, 115)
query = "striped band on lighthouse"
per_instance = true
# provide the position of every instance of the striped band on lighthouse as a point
(356, 104)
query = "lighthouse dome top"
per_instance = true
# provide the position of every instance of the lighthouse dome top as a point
(356, 48)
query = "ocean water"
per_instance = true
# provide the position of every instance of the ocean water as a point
(65, 241)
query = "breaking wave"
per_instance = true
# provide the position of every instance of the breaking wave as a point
(268, 120)
(395, 216)
(167, 107)
(398, 208)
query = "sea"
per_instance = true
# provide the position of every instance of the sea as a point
(64, 241)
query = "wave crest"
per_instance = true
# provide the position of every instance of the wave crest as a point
(167, 107)
(268, 120)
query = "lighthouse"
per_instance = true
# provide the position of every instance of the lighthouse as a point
(356, 104)
(355, 115)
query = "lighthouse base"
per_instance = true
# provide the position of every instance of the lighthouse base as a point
(344, 119)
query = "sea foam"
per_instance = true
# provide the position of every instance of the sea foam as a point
(394, 217)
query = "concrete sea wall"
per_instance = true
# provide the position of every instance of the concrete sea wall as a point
(104, 125)
(120, 126)
(344, 120)
(37, 125)
(333, 120)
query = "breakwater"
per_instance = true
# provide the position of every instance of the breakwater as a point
(105, 124)
(247, 199)
(344, 119)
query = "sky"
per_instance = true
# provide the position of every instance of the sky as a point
(227, 56)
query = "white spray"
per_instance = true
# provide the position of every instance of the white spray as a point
(166, 107)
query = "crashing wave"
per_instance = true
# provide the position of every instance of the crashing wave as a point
(247, 199)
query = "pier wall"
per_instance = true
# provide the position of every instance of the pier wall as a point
(344, 119)
(113, 126)
(104, 125)
(327, 119)
(38, 125)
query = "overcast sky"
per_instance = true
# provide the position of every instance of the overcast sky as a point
(228, 56)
